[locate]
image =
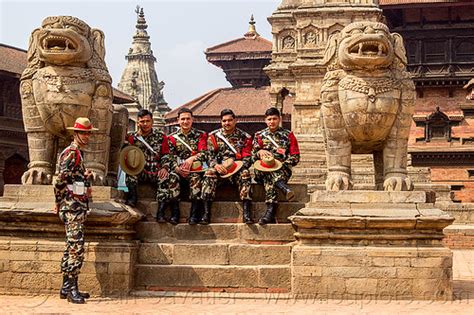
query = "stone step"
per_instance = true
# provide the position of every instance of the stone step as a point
(199, 253)
(221, 232)
(312, 136)
(224, 211)
(229, 193)
(274, 278)
(46, 193)
(369, 196)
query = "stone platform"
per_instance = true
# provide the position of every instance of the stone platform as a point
(346, 245)
(32, 242)
(127, 251)
(379, 244)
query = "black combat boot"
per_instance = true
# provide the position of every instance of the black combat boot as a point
(73, 295)
(289, 194)
(194, 213)
(65, 288)
(206, 216)
(247, 205)
(269, 216)
(132, 196)
(174, 203)
(160, 213)
(83, 294)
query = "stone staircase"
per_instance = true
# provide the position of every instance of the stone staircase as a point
(224, 256)
(312, 167)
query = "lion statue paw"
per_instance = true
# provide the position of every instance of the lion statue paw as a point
(36, 176)
(111, 181)
(97, 178)
(399, 182)
(337, 181)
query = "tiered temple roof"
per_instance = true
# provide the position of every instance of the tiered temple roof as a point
(242, 60)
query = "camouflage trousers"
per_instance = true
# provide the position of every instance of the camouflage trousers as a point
(73, 218)
(166, 189)
(194, 182)
(268, 179)
(242, 179)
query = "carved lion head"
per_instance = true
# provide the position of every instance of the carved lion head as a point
(65, 41)
(365, 45)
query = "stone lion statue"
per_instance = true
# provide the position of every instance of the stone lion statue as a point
(367, 105)
(66, 77)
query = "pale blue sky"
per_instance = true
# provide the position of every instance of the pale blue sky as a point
(180, 31)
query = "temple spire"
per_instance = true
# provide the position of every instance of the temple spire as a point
(252, 32)
(139, 78)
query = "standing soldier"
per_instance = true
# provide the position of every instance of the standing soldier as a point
(188, 145)
(72, 193)
(274, 144)
(154, 144)
(229, 154)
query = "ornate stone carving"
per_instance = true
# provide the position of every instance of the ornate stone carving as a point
(66, 77)
(367, 104)
(288, 42)
(310, 39)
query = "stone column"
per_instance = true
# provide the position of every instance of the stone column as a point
(371, 245)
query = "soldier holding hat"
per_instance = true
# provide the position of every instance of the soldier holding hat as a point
(72, 193)
(188, 145)
(275, 151)
(156, 168)
(229, 155)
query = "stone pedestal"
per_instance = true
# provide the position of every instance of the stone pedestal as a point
(32, 243)
(371, 245)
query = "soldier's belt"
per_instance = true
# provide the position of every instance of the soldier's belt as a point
(82, 198)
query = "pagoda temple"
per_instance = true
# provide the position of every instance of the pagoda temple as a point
(242, 61)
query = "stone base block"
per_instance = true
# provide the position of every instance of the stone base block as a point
(376, 273)
(31, 267)
(260, 278)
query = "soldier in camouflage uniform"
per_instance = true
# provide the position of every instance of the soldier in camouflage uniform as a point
(226, 143)
(158, 161)
(281, 144)
(188, 145)
(72, 193)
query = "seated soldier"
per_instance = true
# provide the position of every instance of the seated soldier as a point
(188, 146)
(275, 151)
(154, 145)
(229, 156)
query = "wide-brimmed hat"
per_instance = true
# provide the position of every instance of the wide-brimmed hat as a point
(267, 164)
(197, 167)
(132, 160)
(83, 124)
(232, 167)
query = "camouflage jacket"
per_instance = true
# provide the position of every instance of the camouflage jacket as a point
(195, 139)
(159, 143)
(71, 169)
(287, 151)
(218, 150)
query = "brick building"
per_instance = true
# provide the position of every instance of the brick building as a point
(242, 60)
(13, 146)
(439, 39)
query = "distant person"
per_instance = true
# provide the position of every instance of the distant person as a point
(229, 155)
(72, 193)
(275, 151)
(188, 146)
